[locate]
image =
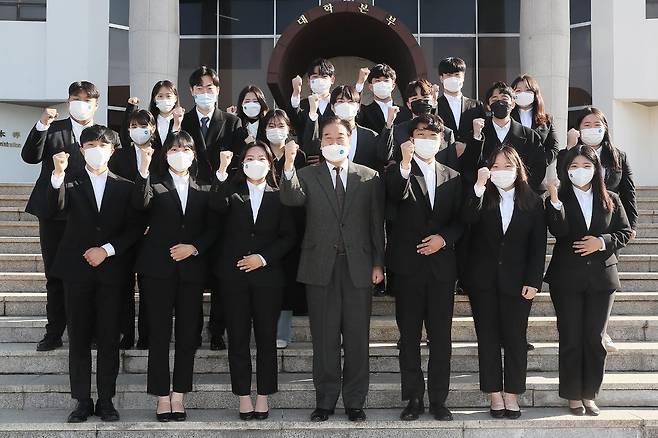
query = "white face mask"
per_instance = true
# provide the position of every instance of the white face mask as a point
(346, 110)
(276, 135)
(165, 105)
(503, 179)
(525, 98)
(581, 176)
(592, 136)
(140, 135)
(251, 109)
(256, 169)
(382, 89)
(205, 100)
(81, 110)
(426, 148)
(320, 85)
(180, 161)
(97, 157)
(453, 84)
(335, 152)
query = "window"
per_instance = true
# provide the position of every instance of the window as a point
(580, 67)
(499, 61)
(118, 90)
(435, 49)
(246, 17)
(498, 16)
(198, 17)
(652, 9)
(193, 54)
(448, 16)
(119, 12)
(580, 11)
(406, 11)
(287, 11)
(23, 10)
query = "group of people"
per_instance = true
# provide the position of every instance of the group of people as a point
(312, 209)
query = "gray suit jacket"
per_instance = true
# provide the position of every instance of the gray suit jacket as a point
(361, 222)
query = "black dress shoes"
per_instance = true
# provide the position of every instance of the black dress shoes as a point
(217, 344)
(512, 415)
(320, 414)
(440, 412)
(593, 411)
(178, 416)
(49, 343)
(105, 410)
(497, 413)
(579, 411)
(83, 410)
(246, 416)
(261, 415)
(355, 414)
(415, 408)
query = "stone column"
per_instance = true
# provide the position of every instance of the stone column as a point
(544, 43)
(154, 41)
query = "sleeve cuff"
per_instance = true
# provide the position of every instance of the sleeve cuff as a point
(289, 175)
(221, 176)
(109, 249)
(144, 175)
(262, 259)
(478, 138)
(557, 205)
(358, 87)
(602, 243)
(405, 173)
(295, 101)
(57, 181)
(40, 126)
(313, 117)
(479, 191)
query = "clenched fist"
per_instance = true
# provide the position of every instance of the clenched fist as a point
(145, 155)
(363, 75)
(291, 149)
(478, 125)
(95, 256)
(572, 138)
(313, 103)
(61, 162)
(392, 114)
(225, 158)
(133, 101)
(407, 149)
(48, 115)
(297, 85)
(483, 176)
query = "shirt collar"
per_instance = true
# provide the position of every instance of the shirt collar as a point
(425, 167)
(200, 115)
(80, 126)
(343, 167)
(453, 98)
(180, 179)
(502, 128)
(95, 177)
(582, 193)
(260, 187)
(507, 194)
(167, 119)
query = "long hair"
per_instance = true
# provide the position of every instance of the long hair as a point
(261, 100)
(524, 196)
(154, 92)
(270, 178)
(278, 114)
(174, 139)
(538, 107)
(599, 191)
(609, 153)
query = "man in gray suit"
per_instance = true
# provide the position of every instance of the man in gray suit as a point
(342, 257)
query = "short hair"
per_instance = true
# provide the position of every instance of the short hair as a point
(434, 123)
(100, 133)
(195, 77)
(346, 92)
(382, 71)
(156, 89)
(335, 120)
(502, 88)
(180, 139)
(451, 65)
(84, 86)
(325, 67)
(141, 117)
(423, 84)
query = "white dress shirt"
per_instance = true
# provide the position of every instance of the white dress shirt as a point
(455, 103)
(501, 131)
(506, 204)
(598, 154)
(256, 197)
(342, 173)
(76, 127)
(201, 116)
(182, 184)
(429, 174)
(163, 126)
(384, 106)
(139, 157)
(353, 142)
(98, 183)
(526, 117)
(586, 202)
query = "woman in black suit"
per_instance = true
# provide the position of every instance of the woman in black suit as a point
(504, 273)
(251, 109)
(278, 132)
(590, 227)
(172, 264)
(531, 113)
(258, 233)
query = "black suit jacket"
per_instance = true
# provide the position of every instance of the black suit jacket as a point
(471, 109)
(124, 162)
(299, 116)
(619, 181)
(169, 226)
(222, 135)
(447, 154)
(416, 220)
(39, 147)
(547, 134)
(116, 223)
(526, 142)
(272, 235)
(569, 272)
(371, 116)
(500, 262)
(156, 142)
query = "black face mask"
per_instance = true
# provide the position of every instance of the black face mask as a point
(501, 109)
(422, 106)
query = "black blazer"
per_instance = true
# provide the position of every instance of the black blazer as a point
(298, 116)
(123, 162)
(222, 135)
(39, 147)
(619, 181)
(547, 134)
(272, 236)
(447, 155)
(169, 226)
(569, 272)
(504, 262)
(471, 109)
(526, 142)
(156, 141)
(370, 116)
(416, 220)
(116, 223)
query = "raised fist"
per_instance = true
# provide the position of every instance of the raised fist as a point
(478, 125)
(392, 114)
(61, 162)
(297, 85)
(133, 101)
(291, 149)
(225, 158)
(48, 115)
(313, 103)
(483, 176)
(363, 75)
(572, 137)
(407, 148)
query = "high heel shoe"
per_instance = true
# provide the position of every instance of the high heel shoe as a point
(246, 416)
(178, 414)
(163, 417)
(592, 410)
(261, 415)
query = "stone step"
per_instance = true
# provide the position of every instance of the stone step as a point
(622, 328)
(15, 200)
(16, 188)
(647, 230)
(20, 358)
(15, 214)
(19, 245)
(647, 203)
(213, 391)
(644, 245)
(19, 228)
(648, 216)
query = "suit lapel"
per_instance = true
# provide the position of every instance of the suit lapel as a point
(324, 178)
(376, 113)
(88, 190)
(216, 126)
(447, 115)
(353, 185)
(168, 182)
(108, 194)
(420, 180)
(268, 199)
(599, 218)
(441, 177)
(243, 190)
(578, 216)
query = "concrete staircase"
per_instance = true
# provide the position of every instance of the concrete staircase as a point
(34, 398)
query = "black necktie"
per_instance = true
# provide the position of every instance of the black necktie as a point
(204, 126)
(340, 189)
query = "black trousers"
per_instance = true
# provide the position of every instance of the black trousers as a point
(340, 308)
(93, 312)
(581, 319)
(257, 306)
(217, 321)
(424, 298)
(501, 321)
(128, 311)
(50, 234)
(164, 297)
